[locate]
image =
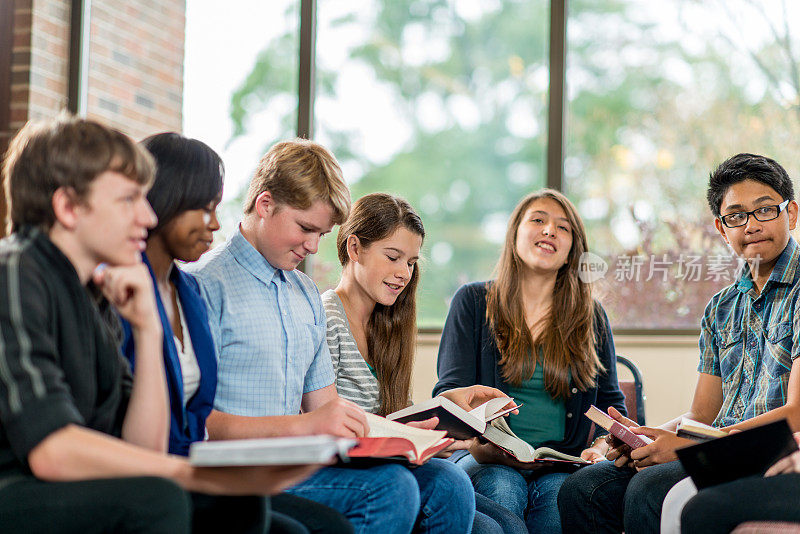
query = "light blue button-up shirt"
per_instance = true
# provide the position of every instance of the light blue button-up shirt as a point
(268, 327)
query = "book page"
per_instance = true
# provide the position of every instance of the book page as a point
(499, 433)
(485, 411)
(546, 453)
(420, 438)
(690, 428)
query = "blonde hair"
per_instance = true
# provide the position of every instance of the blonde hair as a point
(298, 173)
(566, 341)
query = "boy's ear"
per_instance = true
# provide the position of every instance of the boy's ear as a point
(66, 207)
(791, 213)
(721, 229)
(353, 247)
(265, 204)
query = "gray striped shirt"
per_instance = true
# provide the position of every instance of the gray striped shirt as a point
(354, 380)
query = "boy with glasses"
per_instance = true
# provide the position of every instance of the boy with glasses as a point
(748, 348)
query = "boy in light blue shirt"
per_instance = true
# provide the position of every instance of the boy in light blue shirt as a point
(275, 372)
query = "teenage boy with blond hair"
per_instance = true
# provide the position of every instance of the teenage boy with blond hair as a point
(82, 442)
(275, 372)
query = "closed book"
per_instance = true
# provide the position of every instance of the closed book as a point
(616, 429)
(741, 454)
(295, 450)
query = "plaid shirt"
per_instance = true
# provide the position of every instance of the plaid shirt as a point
(268, 327)
(750, 340)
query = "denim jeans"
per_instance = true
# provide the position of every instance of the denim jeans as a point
(605, 498)
(491, 518)
(446, 497)
(529, 495)
(432, 498)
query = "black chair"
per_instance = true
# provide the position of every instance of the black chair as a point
(633, 391)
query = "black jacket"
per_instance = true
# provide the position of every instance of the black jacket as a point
(60, 363)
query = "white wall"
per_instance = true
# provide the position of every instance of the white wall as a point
(668, 365)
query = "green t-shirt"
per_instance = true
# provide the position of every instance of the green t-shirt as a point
(542, 418)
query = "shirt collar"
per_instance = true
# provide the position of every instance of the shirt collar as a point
(784, 272)
(252, 261)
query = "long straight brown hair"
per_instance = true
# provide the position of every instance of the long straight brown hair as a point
(566, 341)
(391, 330)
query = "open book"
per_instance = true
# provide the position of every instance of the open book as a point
(388, 439)
(294, 450)
(499, 433)
(459, 423)
(689, 428)
(616, 429)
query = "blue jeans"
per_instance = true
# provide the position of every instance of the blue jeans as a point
(446, 497)
(605, 498)
(432, 498)
(491, 518)
(527, 494)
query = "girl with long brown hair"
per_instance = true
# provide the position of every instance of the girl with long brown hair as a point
(535, 333)
(371, 318)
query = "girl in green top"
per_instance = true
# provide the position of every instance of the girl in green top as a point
(536, 333)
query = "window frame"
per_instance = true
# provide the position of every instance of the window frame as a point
(555, 117)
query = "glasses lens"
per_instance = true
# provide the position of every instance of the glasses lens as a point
(767, 213)
(735, 219)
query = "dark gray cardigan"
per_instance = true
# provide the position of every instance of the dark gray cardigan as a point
(468, 355)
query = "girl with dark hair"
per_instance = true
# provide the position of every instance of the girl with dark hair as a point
(535, 333)
(372, 330)
(184, 197)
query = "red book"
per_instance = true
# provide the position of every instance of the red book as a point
(395, 448)
(387, 439)
(616, 429)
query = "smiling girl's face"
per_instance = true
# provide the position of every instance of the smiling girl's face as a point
(544, 237)
(383, 269)
(190, 234)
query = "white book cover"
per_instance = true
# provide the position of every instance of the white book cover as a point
(295, 450)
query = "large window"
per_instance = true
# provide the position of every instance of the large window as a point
(240, 88)
(445, 102)
(658, 94)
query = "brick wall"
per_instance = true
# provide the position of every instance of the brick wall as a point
(135, 64)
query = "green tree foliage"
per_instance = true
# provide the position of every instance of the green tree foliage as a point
(658, 94)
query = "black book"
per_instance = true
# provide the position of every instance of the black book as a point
(741, 454)
(459, 423)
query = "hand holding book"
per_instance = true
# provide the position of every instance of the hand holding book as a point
(661, 450)
(472, 397)
(787, 464)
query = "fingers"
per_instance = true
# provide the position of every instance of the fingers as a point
(614, 413)
(646, 431)
(622, 461)
(428, 424)
(789, 464)
(459, 445)
(339, 418)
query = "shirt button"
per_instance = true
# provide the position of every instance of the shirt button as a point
(574, 390)
(569, 415)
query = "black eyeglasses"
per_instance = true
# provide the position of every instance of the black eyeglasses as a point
(763, 214)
